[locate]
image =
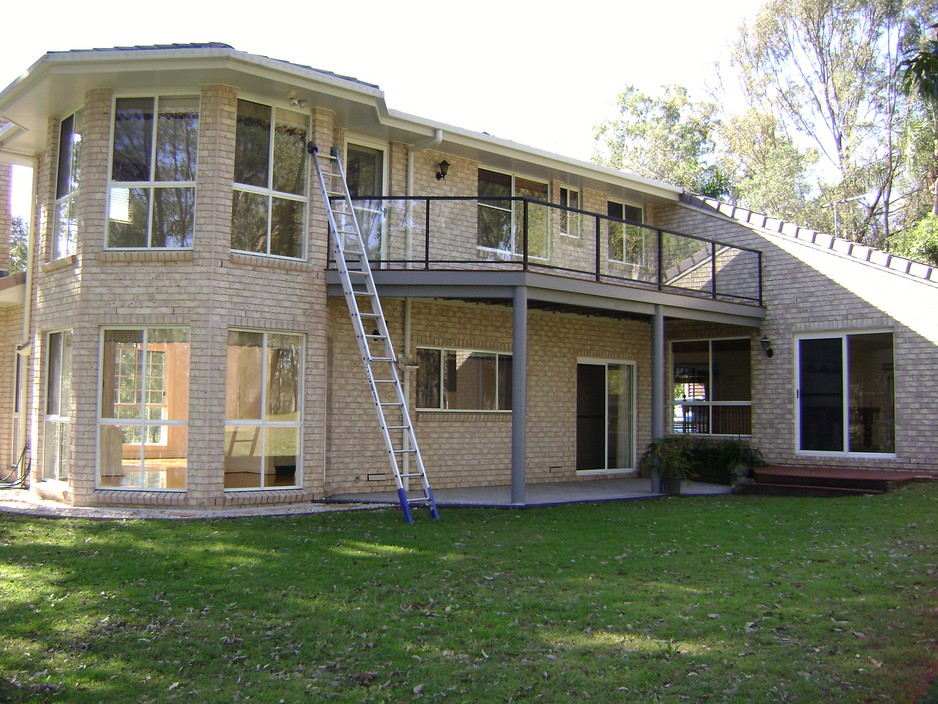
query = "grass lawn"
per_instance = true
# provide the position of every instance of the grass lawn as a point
(721, 599)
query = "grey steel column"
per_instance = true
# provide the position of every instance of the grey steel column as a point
(657, 385)
(519, 393)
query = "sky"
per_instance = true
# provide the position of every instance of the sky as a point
(542, 74)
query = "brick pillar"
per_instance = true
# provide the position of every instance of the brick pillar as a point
(6, 214)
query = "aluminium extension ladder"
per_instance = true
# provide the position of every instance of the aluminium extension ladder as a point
(377, 353)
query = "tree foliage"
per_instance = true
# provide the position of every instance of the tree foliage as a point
(19, 239)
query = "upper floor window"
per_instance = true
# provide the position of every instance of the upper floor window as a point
(65, 226)
(569, 221)
(153, 167)
(268, 210)
(626, 241)
(501, 223)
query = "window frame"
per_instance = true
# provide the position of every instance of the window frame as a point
(152, 184)
(565, 216)
(268, 191)
(56, 423)
(633, 411)
(625, 205)
(843, 336)
(142, 422)
(262, 423)
(709, 403)
(368, 215)
(515, 216)
(440, 377)
(68, 198)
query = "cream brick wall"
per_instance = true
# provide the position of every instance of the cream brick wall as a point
(810, 289)
(6, 213)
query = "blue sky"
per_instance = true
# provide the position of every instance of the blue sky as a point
(538, 74)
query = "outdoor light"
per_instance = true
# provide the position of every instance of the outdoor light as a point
(766, 346)
(444, 169)
(296, 102)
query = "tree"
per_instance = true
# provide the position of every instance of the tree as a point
(668, 138)
(920, 79)
(19, 239)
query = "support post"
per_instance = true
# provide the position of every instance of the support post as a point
(657, 385)
(519, 393)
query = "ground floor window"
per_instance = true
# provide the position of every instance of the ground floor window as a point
(143, 423)
(56, 422)
(263, 401)
(711, 383)
(605, 415)
(846, 393)
(463, 380)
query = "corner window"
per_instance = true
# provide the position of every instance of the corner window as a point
(846, 394)
(569, 221)
(263, 401)
(711, 387)
(153, 167)
(501, 223)
(56, 422)
(463, 380)
(65, 225)
(143, 423)
(626, 240)
(268, 210)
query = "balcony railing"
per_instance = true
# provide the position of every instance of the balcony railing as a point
(430, 232)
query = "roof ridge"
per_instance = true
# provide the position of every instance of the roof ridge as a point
(823, 240)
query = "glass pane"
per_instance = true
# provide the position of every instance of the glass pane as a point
(690, 418)
(133, 139)
(54, 374)
(504, 382)
(165, 462)
(364, 171)
(619, 454)
(732, 420)
(249, 221)
(283, 376)
(281, 457)
(616, 231)
(173, 217)
(55, 459)
(691, 370)
(121, 382)
(872, 393)
(243, 451)
(69, 146)
(252, 144)
(66, 228)
(167, 382)
(119, 456)
(493, 184)
(290, 154)
(428, 378)
(177, 139)
(821, 401)
(286, 228)
(129, 211)
(469, 380)
(244, 375)
(494, 227)
(731, 375)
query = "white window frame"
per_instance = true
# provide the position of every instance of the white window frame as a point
(151, 185)
(58, 422)
(356, 141)
(513, 251)
(68, 200)
(609, 223)
(15, 415)
(565, 216)
(269, 191)
(144, 423)
(498, 383)
(842, 335)
(633, 412)
(263, 424)
(710, 404)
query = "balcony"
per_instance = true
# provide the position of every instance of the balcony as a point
(521, 234)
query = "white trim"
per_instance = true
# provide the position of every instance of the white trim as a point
(633, 414)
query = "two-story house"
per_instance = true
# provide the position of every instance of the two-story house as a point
(180, 338)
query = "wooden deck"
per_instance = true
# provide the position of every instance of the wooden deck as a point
(828, 481)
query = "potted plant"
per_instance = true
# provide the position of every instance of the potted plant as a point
(669, 458)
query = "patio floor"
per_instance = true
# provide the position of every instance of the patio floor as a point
(549, 494)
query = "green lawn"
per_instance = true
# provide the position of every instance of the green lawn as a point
(735, 599)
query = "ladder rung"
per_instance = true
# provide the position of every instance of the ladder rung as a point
(404, 452)
(390, 403)
(386, 381)
(381, 359)
(398, 427)
(411, 475)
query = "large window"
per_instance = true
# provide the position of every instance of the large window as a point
(55, 451)
(153, 165)
(463, 380)
(846, 394)
(65, 225)
(626, 241)
(143, 433)
(711, 387)
(365, 174)
(501, 223)
(268, 211)
(263, 401)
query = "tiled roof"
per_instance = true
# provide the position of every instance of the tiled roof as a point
(823, 240)
(209, 45)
